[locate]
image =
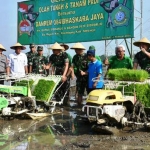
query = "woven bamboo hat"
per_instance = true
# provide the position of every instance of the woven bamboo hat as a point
(143, 40)
(65, 46)
(2, 47)
(18, 45)
(78, 46)
(56, 46)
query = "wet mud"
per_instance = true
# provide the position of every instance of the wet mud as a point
(66, 131)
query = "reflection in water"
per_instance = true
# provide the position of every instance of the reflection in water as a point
(52, 133)
(29, 134)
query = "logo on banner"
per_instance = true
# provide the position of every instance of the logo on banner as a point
(29, 17)
(118, 14)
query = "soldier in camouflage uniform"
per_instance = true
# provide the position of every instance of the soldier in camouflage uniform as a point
(59, 60)
(39, 62)
(80, 63)
(142, 58)
(31, 54)
(70, 72)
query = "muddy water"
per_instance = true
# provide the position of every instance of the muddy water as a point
(65, 131)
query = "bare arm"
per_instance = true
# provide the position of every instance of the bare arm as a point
(26, 69)
(66, 68)
(145, 52)
(47, 66)
(83, 73)
(135, 65)
(8, 70)
(71, 72)
(95, 83)
(30, 69)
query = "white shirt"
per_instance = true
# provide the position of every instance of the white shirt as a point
(17, 63)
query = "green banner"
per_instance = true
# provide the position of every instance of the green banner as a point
(70, 21)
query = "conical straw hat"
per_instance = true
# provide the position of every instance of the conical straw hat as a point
(78, 46)
(56, 46)
(18, 45)
(2, 47)
(143, 40)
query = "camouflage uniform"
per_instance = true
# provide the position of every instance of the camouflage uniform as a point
(37, 64)
(58, 61)
(30, 57)
(80, 62)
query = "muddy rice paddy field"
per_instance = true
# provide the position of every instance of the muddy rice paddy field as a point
(65, 131)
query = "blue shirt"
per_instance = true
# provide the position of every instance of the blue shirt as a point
(94, 69)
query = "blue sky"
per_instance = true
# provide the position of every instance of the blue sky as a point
(8, 28)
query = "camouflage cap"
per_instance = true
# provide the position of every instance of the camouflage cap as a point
(40, 48)
(32, 45)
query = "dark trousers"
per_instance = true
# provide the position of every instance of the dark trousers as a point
(63, 89)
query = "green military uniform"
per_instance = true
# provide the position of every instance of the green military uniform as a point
(80, 62)
(115, 63)
(38, 62)
(30, 56)
(58, 61)
(143, 60)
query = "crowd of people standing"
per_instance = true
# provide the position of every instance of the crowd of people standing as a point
(85, 66)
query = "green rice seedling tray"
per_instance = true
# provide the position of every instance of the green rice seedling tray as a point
(45, 87)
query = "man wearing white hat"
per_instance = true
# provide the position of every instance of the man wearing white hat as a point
(17, 61)
(142, 58)
(60, 62)
(3, 62)
(80, 63)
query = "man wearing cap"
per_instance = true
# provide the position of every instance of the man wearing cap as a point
(92, 48)
(119, 60)
(17, 61)
(31, 54)
(94, 72)
(80, 63)
(3, 62)
(37, 65)
(142, 58)
(59, 60)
